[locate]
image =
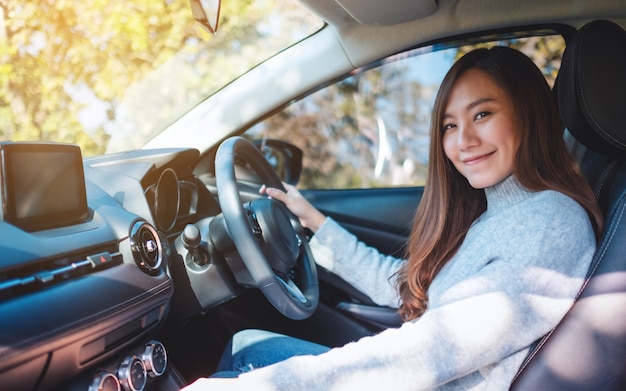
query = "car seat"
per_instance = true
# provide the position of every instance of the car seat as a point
(587, 350)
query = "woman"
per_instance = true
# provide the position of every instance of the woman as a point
(500, 244)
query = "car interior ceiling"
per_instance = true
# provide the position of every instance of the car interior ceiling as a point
(591, 90)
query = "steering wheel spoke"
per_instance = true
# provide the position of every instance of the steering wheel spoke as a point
(292, 288)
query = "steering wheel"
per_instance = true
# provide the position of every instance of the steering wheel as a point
(267, 236)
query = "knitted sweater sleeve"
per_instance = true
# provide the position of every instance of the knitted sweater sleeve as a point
(478, 333)
(362, 266)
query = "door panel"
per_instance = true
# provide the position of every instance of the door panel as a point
(379, 217)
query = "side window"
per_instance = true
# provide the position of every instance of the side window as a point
(371, 129)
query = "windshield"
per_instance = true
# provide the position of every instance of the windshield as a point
(110, 75)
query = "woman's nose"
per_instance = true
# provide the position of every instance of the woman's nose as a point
(467, 137)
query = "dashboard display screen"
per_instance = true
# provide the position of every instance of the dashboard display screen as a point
(43, 185)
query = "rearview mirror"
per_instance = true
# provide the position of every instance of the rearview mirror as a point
(207, 13)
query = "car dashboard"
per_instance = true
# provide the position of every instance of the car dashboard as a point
(81, 301)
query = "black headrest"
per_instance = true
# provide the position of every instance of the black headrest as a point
(591, 87)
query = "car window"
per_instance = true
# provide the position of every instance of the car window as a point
(371, 128)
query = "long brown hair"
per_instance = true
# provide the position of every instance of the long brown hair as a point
(449, 204)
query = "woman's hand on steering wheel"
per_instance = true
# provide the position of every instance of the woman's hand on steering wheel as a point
(309, 217)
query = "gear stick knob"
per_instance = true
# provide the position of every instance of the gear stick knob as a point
(192, 240)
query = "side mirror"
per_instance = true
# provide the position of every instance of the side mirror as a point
(285, 158)
(207, 13)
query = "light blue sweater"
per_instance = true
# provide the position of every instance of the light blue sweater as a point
(512, 280)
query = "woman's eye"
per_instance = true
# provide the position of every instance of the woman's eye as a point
(447, 127)
(481, 115)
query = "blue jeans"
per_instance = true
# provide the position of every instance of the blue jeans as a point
(250, 349)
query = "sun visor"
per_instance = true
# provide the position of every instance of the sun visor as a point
(387, 12)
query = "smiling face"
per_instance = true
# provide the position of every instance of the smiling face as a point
(478, 126)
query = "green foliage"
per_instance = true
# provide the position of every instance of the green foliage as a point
(59, 56)
(49, 46)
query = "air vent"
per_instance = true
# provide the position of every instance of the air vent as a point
(146, 247)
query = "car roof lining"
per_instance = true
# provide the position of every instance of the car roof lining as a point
(364, 43)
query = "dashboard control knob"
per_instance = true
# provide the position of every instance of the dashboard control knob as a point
(132, 374)
(155, 358)
(105, 381)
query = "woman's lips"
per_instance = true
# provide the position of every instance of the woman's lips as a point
(476, 159)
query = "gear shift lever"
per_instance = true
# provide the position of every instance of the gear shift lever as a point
(192, 240)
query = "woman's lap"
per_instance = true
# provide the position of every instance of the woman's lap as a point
(249, 349)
